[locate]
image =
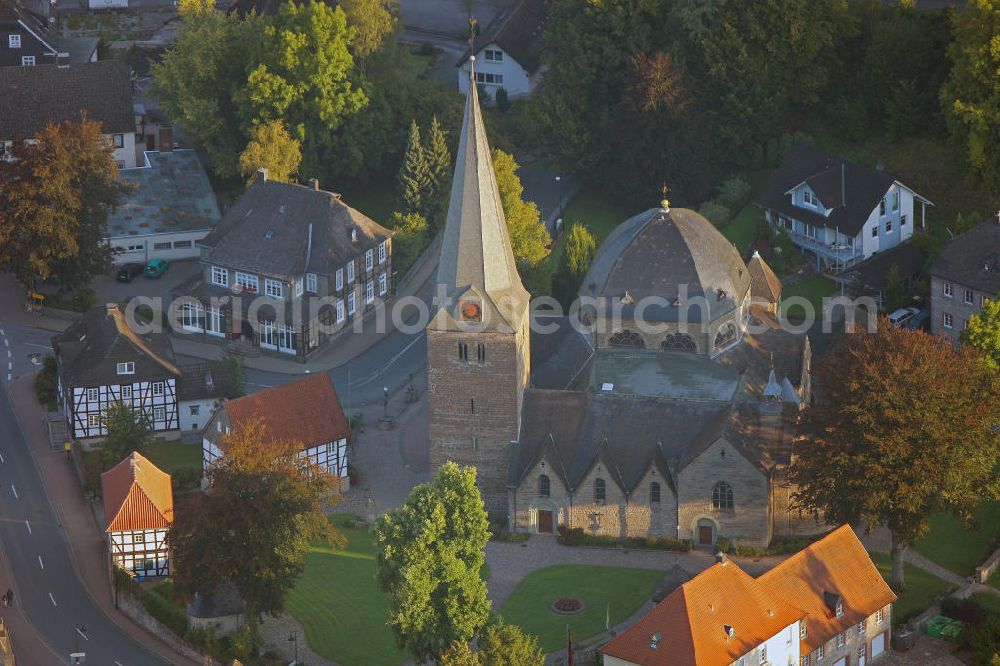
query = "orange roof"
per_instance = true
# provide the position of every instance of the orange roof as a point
(306, 411)
(692, 622)
(838, 565)
(137, 496)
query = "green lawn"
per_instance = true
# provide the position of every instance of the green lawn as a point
(597, 210)
(813, 289)
(171, 456)
(623, 591)
(339, 605)
(958, 548)
(740, 230)
(922, 589)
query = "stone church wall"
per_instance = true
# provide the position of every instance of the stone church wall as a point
(598, 518)
(526, 501)
(647, 518)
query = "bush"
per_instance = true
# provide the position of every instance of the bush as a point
(160, 607)
(715, 212)
(185, 478)
(722, 544)
(734, 193)
(427, 49)
(46, 384)
(659, 543)
(503, 104)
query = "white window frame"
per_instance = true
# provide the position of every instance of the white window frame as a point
(93, 420)
(841, 640)
(213, 322)
(311, 282)
(808, 198)
(969, 298)
(340, 311)
(383, 284)
(118, 140)
(126, 368)
(878, 616)
(27, 61)
(159, 413)
(126, 391)
(300, 286)
(949, 290)
(93, 395)
(246, 281)
(286, 339)
(274, 288)
(895, 201)
(882, 208)
(157, 388)
(369, 260)
(381, 252)
(350, 272)
(268, 334)
(14, 41)
(948, 320)
(493, 55)
(192, 314)
(340, 279)
(369, 292)
(220, 276)
(351, 303)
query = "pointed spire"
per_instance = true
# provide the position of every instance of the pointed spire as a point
(476, 254)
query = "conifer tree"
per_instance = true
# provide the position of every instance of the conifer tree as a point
(438, 158)
(414, 177)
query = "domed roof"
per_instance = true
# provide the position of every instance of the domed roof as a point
(660, 251)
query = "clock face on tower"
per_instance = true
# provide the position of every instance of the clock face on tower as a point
(469, 311)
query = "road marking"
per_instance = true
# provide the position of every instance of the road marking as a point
(32, 344)
(6, 342)
(28, 525)
(40, 564)
(1, 458)
(82, 634)
(118, 663)
(10, 365)
(53, 599)
(13, 490)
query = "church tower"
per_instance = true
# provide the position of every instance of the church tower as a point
(478, 338)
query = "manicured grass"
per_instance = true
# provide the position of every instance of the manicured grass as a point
(740, 230)
(174, 455)
(417, 65)
(922, 588)
(595, 209)
(622, 591)
(339, 605)
(957, 547)
(813, 289)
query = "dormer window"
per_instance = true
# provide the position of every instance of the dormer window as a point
(809, 198)
(126, 368)
(840, 609)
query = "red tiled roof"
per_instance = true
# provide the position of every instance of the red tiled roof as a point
(836, 564)
(306, 411)
(692, 621)
(137, 496)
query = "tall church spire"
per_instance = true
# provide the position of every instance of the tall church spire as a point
(477, 264)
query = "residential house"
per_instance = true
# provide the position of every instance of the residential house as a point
(306, 411)
(838, 211)
(169, 208)
(826, 604)
(202, 388)
(288, 267)
(508, 52)
(26, 38)
(964, 276)
(871, 277)
(138, 512)
(102, 361)
(31, 98)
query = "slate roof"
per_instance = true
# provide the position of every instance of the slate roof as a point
(89, 350)
(266, 231)
(830, 177)
(306, 411)
(672, 254)
(691, 624)
(765, 285)
(137, 496)
(773, 349)
(31, 97)
(972, 259)
(872, 272)
(476, 261)
(560, 359)
(836, 565)
(206, 381)
(519, 31)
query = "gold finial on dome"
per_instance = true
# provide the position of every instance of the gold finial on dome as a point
(664, 202)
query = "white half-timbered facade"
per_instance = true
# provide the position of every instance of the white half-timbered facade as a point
(141, 552)
(102, 361)
(139, 510)
(306, 411)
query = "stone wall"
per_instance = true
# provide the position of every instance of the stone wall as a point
(135, 610)
(787, 518)
(644, 517)
(598, 518)
(854, 638)
(988, 568)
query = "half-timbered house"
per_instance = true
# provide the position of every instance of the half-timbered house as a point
(306, 411)
(138, 510)
(102, 361)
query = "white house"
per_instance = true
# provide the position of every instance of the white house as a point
(839, 211)
(138, 513)
(102, 361)
(306, 411)
(508, 51)
(201, 390)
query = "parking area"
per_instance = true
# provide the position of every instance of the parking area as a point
(108, 290)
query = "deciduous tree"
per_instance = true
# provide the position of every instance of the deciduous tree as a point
(983, 333)
(256, 524)
(574, 263)
(429, 555)
(502, 644)
(128, 431)
(373, 21)
(900, 428)
(410, 239)
(272, 148)
(58, 191)
(528, 236)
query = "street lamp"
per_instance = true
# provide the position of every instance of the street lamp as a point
(559, 185)
(385, 401)
(294, 640)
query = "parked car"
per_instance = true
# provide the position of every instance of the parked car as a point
(156, 267)
(129, 271)
(897, 318)
(920, 321)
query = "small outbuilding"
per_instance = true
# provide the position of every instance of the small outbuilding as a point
(138, 512)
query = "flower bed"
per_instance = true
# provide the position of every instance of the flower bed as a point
(567, 606)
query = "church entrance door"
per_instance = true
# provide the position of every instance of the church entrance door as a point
(544, 522)
(706, 532)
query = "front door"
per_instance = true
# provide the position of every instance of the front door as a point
(878, 645)
(705, 535)
(544, 522)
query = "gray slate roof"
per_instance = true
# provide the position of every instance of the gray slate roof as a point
(207, 381)
(908, 257)
(972, 259)
(560, 359)
(476, 257)
(266, 231)
(831, 178)
(519, 31)
(661, 253)
(89, 351)
(31, 97)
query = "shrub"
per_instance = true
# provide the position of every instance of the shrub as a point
(503, 104)
(573, 536)
(159, 607)
(734, 193)
(427, 49)
(185, 478)
(715, 212)
(46, 384)
(659, 543)
(749, 551)
(353, 475)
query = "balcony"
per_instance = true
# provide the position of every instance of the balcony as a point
(836, 256)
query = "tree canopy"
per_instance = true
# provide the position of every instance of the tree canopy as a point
(528, 236)
(58, 191)
(429, 555)
(255, 526)
(271, 148)
(983, 333)
(574, 263)
(900, 428)
(373, 22)
(128, 431)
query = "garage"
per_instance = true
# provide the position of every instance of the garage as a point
(878, 645)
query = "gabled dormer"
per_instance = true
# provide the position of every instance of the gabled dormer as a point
(805, 197)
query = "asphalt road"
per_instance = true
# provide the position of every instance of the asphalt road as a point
(45, 582)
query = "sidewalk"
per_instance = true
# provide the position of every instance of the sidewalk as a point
(77, 519)
(12, 308)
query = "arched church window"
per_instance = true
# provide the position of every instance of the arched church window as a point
(725, 336)
(626, 338)
(599, 490)
(679, 342)
(543, 485)
(722, 497)
(654, 492)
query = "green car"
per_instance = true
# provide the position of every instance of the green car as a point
(156, 267)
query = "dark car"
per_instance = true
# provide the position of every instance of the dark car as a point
(920, 321)
(129, 271)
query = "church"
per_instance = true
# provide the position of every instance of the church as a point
(666, 405)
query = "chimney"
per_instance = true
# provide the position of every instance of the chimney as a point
(314, 183)
(720, 557)
(262, 174)
(654, 640)
(62, 60)
(166, 139)
(354, 234)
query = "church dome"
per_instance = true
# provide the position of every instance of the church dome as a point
(675, 256)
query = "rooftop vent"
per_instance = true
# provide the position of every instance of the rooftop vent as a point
(628, 299)
(654, 640)
(720, 557)
(730, 631)
(354, 234)
(281, 208)
(269, 234)
(209, 382)
(607, 386)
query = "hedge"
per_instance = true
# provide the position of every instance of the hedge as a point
(576, 536)
(163, 610)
